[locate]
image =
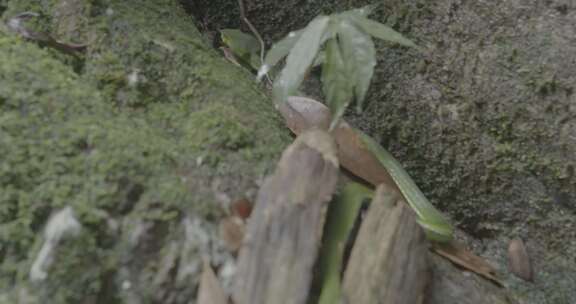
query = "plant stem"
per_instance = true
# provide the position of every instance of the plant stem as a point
(255, 32)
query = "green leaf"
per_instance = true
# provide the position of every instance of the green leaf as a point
(363, 11)
(320, 58)
(342, 214)
(241, 44)
(278, 51)
(433, 222)
(255, 61)
(380, 30)
(300, 59)
(360, 56)
(331, 29)
(337, 87)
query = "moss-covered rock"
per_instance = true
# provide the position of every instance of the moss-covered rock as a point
(146, 136)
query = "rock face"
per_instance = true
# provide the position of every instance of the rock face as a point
(484, 121)
(131, 149)
(484, 118)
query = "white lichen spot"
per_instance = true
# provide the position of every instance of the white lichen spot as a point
(126, 285)
(227, 273)
(196, 245)
(133, 78)
(291, 34)
(137, 232)
(14, 23)
(61, 225)
(264, 69)
(228, 270)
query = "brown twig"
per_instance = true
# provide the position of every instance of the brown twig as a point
(16, 24)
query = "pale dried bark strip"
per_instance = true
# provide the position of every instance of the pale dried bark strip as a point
(210, 290)
(284, 232)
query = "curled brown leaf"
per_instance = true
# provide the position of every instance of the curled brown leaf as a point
(232, 230)
(519, 260)
(301, 113)
(459, 255)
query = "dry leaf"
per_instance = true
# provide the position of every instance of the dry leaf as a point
(241, 208)
(210, 290)
(301, 113)
(232, 230)
(519, 260)
(464, 258)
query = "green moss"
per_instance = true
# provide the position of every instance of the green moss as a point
(73, 270)
(218, 127)
(121, 139)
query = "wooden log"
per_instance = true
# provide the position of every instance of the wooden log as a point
(284, 232)
(389, 261)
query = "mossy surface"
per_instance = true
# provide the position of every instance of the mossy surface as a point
(147, 135)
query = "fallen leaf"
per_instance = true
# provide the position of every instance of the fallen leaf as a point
(301, 113)
(519, 260)
(210, 290)
(459, 255)
(241, 208)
